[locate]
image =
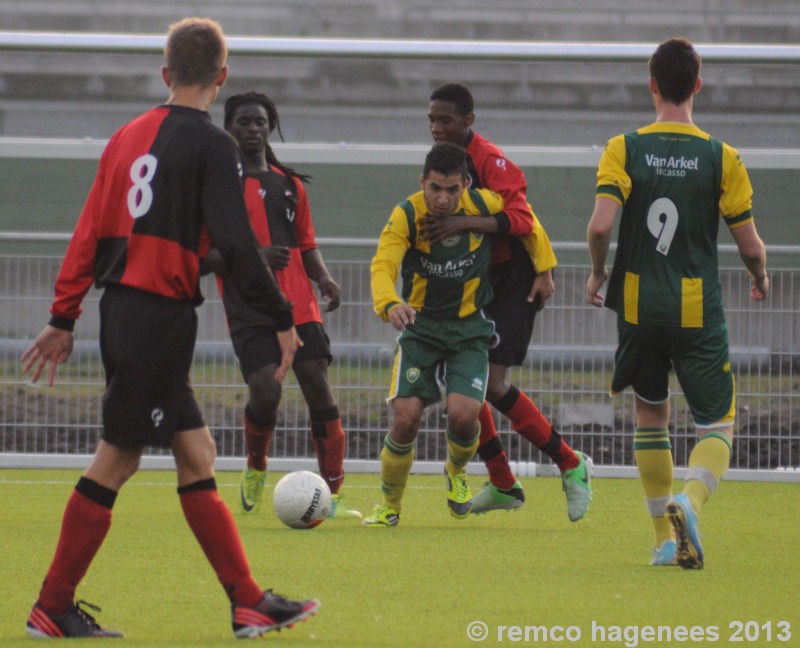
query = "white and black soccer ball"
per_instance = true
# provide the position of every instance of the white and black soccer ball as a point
(302, 500)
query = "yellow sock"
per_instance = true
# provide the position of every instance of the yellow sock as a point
(396, 460)
(652, 450)
(708, 462)
(459, 453)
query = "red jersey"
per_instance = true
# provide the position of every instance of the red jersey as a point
(490, 169)
(279, 215)
(162, 180)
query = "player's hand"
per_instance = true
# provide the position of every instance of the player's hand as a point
(593, 285)
(289, 342)
(275, 256)
(542, 289)
(402, 316)
(435, 228)
(54, 345)
(331, 294)
(760, 288)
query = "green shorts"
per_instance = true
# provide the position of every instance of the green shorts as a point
(449, 354)
(701, 359)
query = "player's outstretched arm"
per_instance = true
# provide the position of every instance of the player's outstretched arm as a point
(598, 236)
(54, 345)
(754, 255)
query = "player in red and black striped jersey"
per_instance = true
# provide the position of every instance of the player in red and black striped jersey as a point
(521, 275)
(281, 220)
(166, 182)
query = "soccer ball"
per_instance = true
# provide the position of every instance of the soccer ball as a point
(302, 500)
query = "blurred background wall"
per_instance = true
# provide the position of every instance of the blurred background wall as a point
(339, 100)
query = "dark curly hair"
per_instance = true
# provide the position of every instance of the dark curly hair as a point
(273, 121)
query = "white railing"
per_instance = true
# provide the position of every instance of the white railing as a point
(396, 49)
(567, 374)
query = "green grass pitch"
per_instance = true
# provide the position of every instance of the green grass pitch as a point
(424, 582)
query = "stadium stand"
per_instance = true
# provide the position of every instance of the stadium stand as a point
(89, 95)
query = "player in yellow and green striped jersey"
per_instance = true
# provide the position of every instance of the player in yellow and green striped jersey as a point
(445, 335)
(672, 182)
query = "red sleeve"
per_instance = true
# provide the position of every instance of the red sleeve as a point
(77, 270)
(501, 175)
(505, 178)
(304, 226)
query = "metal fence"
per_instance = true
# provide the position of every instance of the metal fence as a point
(567, 374)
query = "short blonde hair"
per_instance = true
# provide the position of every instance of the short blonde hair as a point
(195, 51)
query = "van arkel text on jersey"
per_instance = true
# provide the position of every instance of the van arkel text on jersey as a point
(671, 166)
(449, 269)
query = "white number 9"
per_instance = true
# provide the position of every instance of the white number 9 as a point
(140, 195)
(662, 221)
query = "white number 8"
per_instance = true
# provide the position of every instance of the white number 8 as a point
(662, 221)
(140, 195)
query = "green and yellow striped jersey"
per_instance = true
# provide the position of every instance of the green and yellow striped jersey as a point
(673, 182)
(444, 280)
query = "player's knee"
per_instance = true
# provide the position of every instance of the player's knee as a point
(265, 394)
(463, 421)
(114, 465)
(496, 385)
(129, 467)
(311, 372)
(195, 452)
(404, 427)
(313, 379)
(496, 391)
(207, 451)
(463, 428)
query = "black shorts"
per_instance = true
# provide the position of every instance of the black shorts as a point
(258, 347)
(147, 345)
(513, 315)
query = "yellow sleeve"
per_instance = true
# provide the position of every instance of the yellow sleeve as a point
(736, 199)
(612, 179)
(477, 202)
(385, 268)
(494, 201)
(537, 243)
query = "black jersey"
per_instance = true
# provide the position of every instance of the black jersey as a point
(163, 180)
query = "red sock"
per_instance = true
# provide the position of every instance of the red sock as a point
(491, 451)
(529, 422)
(87, 518)
(256, 442)
(212, 524)
(328, 438)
